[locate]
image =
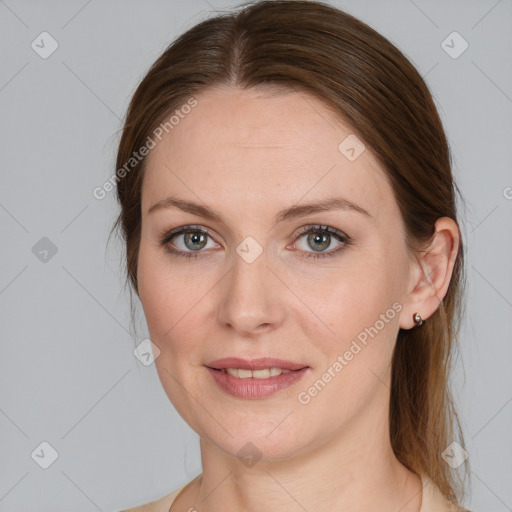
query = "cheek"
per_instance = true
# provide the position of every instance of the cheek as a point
(160, 306)
(173, 300)
(356, 357)
(350, 294)
(361, 307)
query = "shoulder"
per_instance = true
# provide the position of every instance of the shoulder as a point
(161, 505)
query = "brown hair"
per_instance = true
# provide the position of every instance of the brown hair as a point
(361, 76)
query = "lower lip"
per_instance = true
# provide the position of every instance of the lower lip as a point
(252, 388)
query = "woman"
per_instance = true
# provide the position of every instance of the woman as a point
(289, 214)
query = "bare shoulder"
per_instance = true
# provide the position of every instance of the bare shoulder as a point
(161, 505)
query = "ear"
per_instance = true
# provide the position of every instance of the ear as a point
(431, 273)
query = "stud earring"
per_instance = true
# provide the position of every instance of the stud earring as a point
(417, 319)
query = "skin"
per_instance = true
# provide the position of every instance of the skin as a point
(247, 155)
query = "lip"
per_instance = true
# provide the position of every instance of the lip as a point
(254, 364)
(254, 389)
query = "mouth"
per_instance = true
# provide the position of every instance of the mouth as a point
(263, 373)
(239, 367)
(256, 378)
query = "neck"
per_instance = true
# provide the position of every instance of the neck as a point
(355, 471)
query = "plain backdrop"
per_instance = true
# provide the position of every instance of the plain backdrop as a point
(73, 395)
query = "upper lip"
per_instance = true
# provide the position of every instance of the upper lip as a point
(254, 364)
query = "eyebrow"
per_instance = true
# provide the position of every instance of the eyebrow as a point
(293, 212)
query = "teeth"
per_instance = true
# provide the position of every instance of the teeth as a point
(256, 374)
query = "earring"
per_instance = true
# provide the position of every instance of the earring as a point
(417, 319)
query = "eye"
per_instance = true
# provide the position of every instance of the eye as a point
(190, 240)
(320, 238)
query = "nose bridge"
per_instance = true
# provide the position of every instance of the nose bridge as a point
(249, 296)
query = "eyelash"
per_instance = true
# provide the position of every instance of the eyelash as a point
(342, 237)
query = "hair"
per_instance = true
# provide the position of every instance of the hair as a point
(312, 47)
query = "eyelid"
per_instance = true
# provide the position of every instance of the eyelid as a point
(321, 227)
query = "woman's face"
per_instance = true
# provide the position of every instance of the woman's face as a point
(256, 286)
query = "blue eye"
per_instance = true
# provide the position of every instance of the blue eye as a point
(195, 238)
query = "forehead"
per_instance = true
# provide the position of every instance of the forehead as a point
(263, 146)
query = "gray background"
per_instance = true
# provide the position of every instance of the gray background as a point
(68, 375)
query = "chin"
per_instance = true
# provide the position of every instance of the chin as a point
(252, 449)
(264, 436)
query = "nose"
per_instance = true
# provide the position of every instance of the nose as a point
(251, 297)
